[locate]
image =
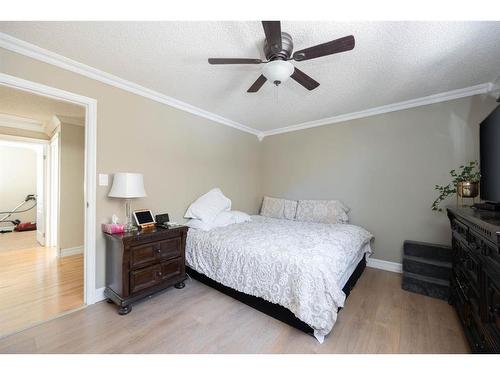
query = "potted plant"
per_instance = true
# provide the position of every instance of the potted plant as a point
(465, 183)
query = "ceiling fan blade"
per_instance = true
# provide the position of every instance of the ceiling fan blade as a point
(257, 84)
(304, 79)
(272, 29)
(217, 61)
(329, 48)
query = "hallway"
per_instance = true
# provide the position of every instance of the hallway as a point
(35, 284)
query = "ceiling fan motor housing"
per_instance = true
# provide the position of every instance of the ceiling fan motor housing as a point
(286, 48)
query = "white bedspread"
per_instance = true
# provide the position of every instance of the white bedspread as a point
(295, 264)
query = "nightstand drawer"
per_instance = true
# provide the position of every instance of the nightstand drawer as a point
(155, 251)
(172, 268)
(145, 278)
(149, 276)
(170, 249)
(141, 256)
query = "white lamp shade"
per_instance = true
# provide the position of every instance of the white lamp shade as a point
(278, 71)
(127, 185)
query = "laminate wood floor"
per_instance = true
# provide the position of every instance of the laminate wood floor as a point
(379, 317)
(36, 284)
(18, 241)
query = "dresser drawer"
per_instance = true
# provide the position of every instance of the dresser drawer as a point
(144, 278)
(149, 253)
(460, 301)
(468, 264)
(460, 229)
(482, 246)
(479, 341)
(472, 268)
(493, 310)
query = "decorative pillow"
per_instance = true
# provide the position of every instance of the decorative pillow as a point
(273, 207)
(208, 206)
(279, 208)
(290, 210)
(322, 211)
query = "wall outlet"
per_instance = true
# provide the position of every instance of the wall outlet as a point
(103, 179)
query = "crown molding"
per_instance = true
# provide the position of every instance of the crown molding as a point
(35, 52)
(30, 50)
(484, 88)
(78, 121)
(24, 123)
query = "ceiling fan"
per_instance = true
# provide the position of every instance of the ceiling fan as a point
(278, 48)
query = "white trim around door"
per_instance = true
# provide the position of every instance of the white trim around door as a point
(90, 169)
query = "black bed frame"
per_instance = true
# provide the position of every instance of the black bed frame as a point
(272, 309)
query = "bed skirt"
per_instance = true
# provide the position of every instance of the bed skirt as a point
(272, 309)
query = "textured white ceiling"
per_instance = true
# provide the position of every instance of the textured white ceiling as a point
(392, 62)
(36, 107)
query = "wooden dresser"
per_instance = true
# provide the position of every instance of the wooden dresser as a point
(141, 263)
(475, 280)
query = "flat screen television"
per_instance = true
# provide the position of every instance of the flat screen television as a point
(489, 148)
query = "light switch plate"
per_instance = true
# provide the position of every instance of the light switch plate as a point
(103, 179)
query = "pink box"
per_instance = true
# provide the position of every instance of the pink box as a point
(113, 228)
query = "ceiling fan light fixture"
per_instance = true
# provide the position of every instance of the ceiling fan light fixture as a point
(277, 71)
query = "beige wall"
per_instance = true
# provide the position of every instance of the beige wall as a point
(383, 167)
(17, 179)
(180, 155)
(71, 201)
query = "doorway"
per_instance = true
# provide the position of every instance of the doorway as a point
(44, 271)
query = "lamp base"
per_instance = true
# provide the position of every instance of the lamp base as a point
(129, 226)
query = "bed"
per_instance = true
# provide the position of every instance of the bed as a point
(294, 271)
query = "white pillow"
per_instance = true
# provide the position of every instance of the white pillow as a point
(208, 206)
(222, 220)
(231, 217)
(198, 224)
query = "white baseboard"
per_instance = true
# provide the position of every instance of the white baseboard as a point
(71, 251)
(385, 265)
(99, 295)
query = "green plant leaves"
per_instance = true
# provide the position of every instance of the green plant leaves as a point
(469, 172)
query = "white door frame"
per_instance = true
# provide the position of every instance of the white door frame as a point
(90, 169)
(53, 166)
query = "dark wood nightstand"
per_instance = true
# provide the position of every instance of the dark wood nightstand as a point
(141, 263)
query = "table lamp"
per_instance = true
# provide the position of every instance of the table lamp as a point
(128, 186)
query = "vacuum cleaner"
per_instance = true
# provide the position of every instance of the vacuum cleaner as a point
(18, 226)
